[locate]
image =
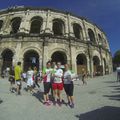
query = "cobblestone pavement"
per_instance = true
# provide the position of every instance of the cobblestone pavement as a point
(98, 100)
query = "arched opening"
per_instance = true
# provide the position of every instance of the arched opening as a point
(15, 24)
(59, 56)
(81, 61)
(31, 59)
(7, 57)
(106, 70)
(96, 65)
(100, 39)
(91, 35)
(1, 24)
(36, 23)
(77, 31)
(58, 27)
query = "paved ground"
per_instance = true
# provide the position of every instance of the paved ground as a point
(99, 100)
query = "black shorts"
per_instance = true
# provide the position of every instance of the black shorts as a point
(47, 86)
(69, 89)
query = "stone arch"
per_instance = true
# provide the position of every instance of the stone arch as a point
(59, 56)
(91, 35)
(36, 24)
(15, 24)
(96, 53)
(30, 59)
(77, 29)
(7, 59)
(106, 70)
(96, 65)
(62, 50)
(10, 48)
(81, 62)
(32, 48)
(58, 27)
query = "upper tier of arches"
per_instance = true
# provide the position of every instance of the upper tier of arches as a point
(38, 21)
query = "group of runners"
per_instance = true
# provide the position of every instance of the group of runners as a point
(54, 78)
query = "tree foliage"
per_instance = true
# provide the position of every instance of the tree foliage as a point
(116, 59)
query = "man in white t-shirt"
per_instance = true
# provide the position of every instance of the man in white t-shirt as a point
(30, 73)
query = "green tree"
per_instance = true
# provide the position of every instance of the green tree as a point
(116, 58)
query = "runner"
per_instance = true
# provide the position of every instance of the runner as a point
(18, 72)
(47, 82)
(57, 84)
(68, 85)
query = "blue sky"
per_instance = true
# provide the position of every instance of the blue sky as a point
(105, 13)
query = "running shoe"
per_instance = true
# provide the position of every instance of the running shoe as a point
(46, 103)
(54, 103)
(72, 105)
(60, 103)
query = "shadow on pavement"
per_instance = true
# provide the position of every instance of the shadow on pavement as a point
(110, 82)
(104, 113)
(39, 96)
(115, 93)
(1, 101)
(113, 97)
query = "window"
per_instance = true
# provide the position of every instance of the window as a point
(15, 24)
(36, 23)
(77, 31)
(58, 27)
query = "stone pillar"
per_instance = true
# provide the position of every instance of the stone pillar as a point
(70, 27)
(1, 64)
(73, 59)
(7, 25)
(14, 60)
(96, 35)
(92, 66)
(40, 63)
(48, 24)
(85, 32)
(45, 56)
(25, 24)
(18, 54)
(88, 65)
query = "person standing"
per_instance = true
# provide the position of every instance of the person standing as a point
(83, 77)
(57, 84)
(68, 85)
(46, 74)
(30, 73)
(18, 72)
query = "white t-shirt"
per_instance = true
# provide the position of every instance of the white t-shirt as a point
(59, 75)
(24, 75)
(30, 74)
(118, 69)
(48, 72)
(67, 77)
